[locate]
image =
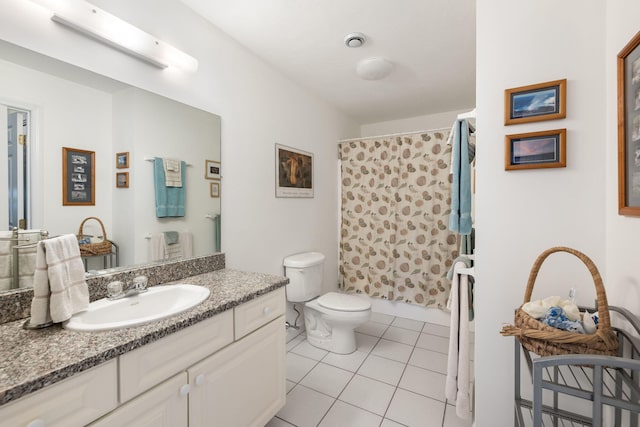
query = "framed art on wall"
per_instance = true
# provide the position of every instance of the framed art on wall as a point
(215, 189)
(534, 103)
(122, 180)
(294, 172)
(211, 169)
(536, 150)
(629, 128)
(78, 177)
(122, 160)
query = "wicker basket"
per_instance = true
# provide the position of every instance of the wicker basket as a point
(545, 340)
(98, 248)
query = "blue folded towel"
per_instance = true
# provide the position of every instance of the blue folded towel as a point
(169, 200)
(556, 318)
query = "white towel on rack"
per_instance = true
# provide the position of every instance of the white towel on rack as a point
(457, 386)
(182, 249)
(172, 172)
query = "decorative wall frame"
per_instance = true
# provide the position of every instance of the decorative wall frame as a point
(211, 169)
(78, 177)
(629, 128)
(122, 179)
(294, 172)
(534, 103)
(215, 189)
(536, 150)
(122, 160)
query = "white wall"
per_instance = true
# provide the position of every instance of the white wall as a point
(259, 107)
(442, 120)
(522, 213)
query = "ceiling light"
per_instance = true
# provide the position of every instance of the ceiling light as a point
(374, 68)
(354, 40)
(100, 25)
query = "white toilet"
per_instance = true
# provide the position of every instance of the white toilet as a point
(329, 319)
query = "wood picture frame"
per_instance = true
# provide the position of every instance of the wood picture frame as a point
(537, 102)
(629, 128)
(215, 189)
(294, 172)
(122, 160)
(78, 177)
(212, 169)
(122, 180)
(536, 150)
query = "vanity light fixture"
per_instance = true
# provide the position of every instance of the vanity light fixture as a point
(100, 25)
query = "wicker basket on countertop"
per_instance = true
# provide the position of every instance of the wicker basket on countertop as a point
(102, 247)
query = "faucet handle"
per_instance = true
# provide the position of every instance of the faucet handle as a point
(114, 289)
(140, 283)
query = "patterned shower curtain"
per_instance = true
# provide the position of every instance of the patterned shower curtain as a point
(396, 197)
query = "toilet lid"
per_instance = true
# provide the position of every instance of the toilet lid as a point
(343, 302)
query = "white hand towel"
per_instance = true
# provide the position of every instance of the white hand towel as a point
(60, 289)
(172, 172)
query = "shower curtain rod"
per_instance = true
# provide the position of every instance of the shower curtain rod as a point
(391, 134)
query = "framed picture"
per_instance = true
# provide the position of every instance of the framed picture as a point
(534, 103)
(629, 128)
(78, 177)
(536, 150)
(294, 172)
(122, 160)
(211, 169)
(122, 179)
(215, 189)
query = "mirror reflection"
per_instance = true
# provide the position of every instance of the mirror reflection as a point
(151, 154)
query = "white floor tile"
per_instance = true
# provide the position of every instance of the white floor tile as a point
(350, 362)
(385, 319)
(404, 336)
(298, 366)
(277, 422)
(451, 418)
(427, 359)
(414, 410)
(414, 325)
(327, 379)
(388, 423)
(433, 329)
(433, 342)
(307, 350)
(427, 383)
(293, 333)
(372, 328)
(381, 369)
(365, 342)
(365, 393)
(392, 350)
(290, 385)
(295, 341)
(305, 407)
(342, 414)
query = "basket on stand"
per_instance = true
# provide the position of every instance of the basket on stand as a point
(545, 340)
(98, 248)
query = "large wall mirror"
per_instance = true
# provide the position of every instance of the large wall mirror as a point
(46, 105)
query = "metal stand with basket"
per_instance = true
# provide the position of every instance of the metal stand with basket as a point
(104, 248)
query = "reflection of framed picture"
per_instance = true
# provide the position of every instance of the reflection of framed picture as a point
(536, 150)
(534, 103)
(294, 172)
(122, 160)
(211, 169)
(629, 128)
(122, 179)
(215, 189)
(78, 177)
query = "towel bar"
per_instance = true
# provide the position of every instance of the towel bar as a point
(151, 159)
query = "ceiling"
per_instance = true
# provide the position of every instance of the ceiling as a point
(431, 44)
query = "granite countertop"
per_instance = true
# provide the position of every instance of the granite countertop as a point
(33, 359)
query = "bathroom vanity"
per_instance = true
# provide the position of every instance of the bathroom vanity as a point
(220, 363)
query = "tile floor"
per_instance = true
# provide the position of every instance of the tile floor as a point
(395, 378)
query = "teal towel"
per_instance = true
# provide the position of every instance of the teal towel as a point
(171, 237)
(460, 217)
(169, 200)
(216, 226)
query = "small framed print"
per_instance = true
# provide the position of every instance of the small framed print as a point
(122, 179)
(78, 177)
(536, 150)
(534, 103)
(215, 189)
(212, 169)
(122, 160)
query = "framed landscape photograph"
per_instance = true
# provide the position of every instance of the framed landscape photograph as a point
(212, 169)
(122, 160)
(122, 180)
(629, 128)
(78, 177)
(534, 103)
(294, 172)
(536, 150)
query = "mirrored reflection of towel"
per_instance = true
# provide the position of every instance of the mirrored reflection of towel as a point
(172, 172)
(5, 260)
(182, 248)
(27, 256)
(170, 201)
(59, 287)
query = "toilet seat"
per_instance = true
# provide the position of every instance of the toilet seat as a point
(343, 302)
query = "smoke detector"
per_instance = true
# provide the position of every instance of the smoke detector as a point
(354, 40)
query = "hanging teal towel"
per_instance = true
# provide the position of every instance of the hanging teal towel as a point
(169, 200)
(216, 230)
(460, 217)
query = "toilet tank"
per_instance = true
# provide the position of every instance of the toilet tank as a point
(305, 276)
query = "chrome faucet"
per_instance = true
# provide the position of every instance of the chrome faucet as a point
(116, 290)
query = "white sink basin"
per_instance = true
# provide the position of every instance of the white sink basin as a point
(157, 303)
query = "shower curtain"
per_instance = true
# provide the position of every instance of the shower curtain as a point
(396, 197)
